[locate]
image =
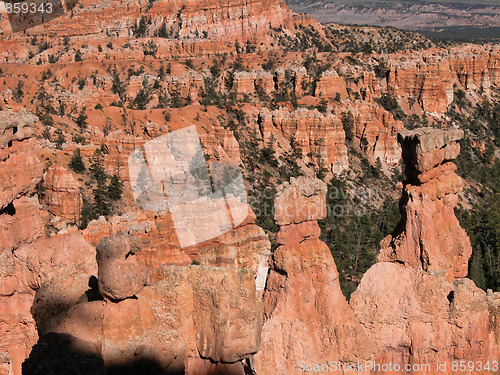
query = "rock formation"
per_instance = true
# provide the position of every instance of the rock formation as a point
(418, 317)
(62, 194)
(28, 260)
(245, 246)
(429, 235)
(120, 274)
(414, 303)
(375, 131)
(140, 302)
(193, 25)
(329, 84)
(307, 318)
(429, 76)
(20, 224)
(321, 138)
(20, 170)
(251, 83)
(197, 319)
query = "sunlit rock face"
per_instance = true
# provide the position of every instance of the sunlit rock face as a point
(428, 77)
(62, 194)
(20, 225)
(196, 319)
(430, 235)
(307, 318)
(320, 138)
(416, 298)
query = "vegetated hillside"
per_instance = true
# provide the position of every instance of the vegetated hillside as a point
(301, 99)
(88, 277)
(481, 167)
(458, 20)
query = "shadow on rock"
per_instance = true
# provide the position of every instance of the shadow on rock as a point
(57, 354)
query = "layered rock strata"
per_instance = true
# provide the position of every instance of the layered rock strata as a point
(415, 303)
(429, 235)
(62, 194)
(428, 77)
(27, 260)
(320, 138)
(307, 318)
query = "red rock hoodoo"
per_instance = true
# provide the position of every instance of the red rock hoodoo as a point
(415, 303)
(430, 236)
(307, 317)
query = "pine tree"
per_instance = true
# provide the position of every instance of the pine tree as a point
(60, 139)
(101, 203)
(87, 213)
(476, 270)
(76, 163)
(115, 188)
(97, 170)
(81, 120)
(348, 124)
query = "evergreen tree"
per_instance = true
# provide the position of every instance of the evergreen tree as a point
(476, 270)
(78, 56)
(46, 133)
(76, 163)
(87, 213)
(101, 203)
(60, 139)
(115, 188)
(348, 124)
(81, 120)
(96, 168)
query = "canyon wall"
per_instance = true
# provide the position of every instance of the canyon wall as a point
(318, 139)
(123, 294)
(196, 25)
(430, 77)
(28, 259)
(432, 314)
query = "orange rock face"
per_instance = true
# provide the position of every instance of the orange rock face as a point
(431, 314)
(428, 77)
(321, 138)
(425, 319)
(197, 25)
(27, 259)
(229, 304)
(245, 246)
(307, 318)
(430, 236)
(20, 170)
(194, 311)
(376, 129)
(20, 224)
(120, 275)
(251, 83)
(301, 200)
(62, 194)
(330, 84)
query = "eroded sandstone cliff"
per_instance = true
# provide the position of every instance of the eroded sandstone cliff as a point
(132, 71)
